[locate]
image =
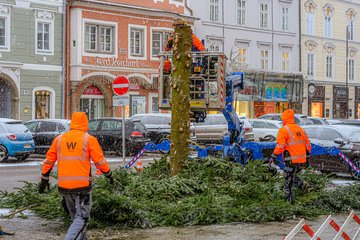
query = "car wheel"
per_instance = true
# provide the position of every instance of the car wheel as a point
(352, 172)
(3, 154)
(23, 157)
(270, 138)
(162, 140)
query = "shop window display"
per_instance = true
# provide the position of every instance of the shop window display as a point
(42, 104)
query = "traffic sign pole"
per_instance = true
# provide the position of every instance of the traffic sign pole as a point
(123, 135)
(121, 87)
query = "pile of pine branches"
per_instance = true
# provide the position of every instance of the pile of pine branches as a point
(207, 191)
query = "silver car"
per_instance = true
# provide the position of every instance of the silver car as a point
(215, 126)
(265, 130)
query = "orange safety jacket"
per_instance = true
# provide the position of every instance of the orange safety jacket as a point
(293, 139)
(73, 151)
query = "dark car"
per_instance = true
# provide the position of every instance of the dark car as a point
(108, 132)
(15, 140)
(44, 132)
(346, 138)
(299, 118)
(158, 126)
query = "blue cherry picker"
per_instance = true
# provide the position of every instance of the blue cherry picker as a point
(211, 89)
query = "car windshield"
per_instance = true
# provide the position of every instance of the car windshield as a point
(16, 127)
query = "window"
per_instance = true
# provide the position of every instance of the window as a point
(329, 67)
(351, 30)
(328, 134)
(328, 26)
(137, 42)
(264, 14)
(214, 48)
(351, 71)
(258, 124)
(43, 36)
(110, 125)
(264, 59)
(309, 23)
(285, 19)
(31, 126)
(159, 40)
(310, 59)
(47, 127)
(2, 32)
(99, 38)
(106, 39)
(241, 12)
(243, 57)
(285, 61)
(214, 10)
(42, 104)
(93, 125)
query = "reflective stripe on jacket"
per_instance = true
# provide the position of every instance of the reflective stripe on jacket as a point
(73, 151)
(293, 139)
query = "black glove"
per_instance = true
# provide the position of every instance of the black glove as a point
(109, 176)
(44, 184)
(307, 158)
(273, 168)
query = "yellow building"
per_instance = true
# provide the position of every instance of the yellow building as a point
(325, 58)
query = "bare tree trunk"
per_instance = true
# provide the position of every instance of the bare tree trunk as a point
(180, 109)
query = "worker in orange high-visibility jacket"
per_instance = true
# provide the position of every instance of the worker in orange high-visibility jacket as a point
(294, 145)
(73, 151)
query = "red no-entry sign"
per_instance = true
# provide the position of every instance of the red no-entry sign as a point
(121, 85)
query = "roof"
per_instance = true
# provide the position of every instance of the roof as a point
(9, 120)
(50, 120)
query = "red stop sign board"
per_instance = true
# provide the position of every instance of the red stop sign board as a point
(121, 85)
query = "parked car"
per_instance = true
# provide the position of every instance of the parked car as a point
(108, 132)
(265, 130)
(215, 126)
(15, 140)
(350, 122)
(318, 121)
(346, 138)
(158, 126)
(44, 131)
(299, 118)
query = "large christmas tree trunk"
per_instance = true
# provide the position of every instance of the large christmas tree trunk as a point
(180, 109)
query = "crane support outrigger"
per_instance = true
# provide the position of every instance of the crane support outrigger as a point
(211, 89)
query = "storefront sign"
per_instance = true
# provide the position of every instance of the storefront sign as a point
(116, 62)
(340, 93)
(92, 90)
(276, 92)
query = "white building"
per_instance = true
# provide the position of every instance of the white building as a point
(260, 37)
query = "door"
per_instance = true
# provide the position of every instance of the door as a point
(46, 132)
(93, 107)
(110, 134)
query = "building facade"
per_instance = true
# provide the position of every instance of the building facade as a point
(115, 38)
(31, 40)
(261, 38)
(329, 61)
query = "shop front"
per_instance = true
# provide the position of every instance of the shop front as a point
(92, 102)
(340, 102)
(357, 103)
(316, 101)
(94, 95)
(269, 93)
